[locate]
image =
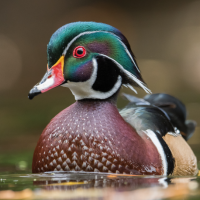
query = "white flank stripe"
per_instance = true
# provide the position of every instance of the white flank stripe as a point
(159, 147)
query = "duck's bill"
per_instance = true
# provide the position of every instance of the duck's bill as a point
(53, 78)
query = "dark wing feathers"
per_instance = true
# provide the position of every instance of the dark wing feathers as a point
(143, 117)
(158, 110)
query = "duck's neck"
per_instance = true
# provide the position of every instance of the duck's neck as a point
(112, 99)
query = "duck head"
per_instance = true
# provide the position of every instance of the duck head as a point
(92, 59)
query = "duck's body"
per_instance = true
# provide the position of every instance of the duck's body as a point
(91, 135)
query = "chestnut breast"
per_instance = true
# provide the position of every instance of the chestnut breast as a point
(92, 136)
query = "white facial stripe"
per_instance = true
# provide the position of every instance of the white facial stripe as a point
(48, 83)
(91, 32)
(131, 76)
(82, 90)
(132, 88)
(159, 147)
(78, 36)
(127, 51)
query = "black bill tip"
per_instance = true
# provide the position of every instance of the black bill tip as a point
(33, 92)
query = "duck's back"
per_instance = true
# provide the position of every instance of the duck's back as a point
(162, 114)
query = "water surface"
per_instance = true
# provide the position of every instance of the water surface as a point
(82, 185)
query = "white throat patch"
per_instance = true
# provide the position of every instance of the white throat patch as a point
(83, 90)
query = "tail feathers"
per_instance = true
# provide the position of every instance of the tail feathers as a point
(172, 107)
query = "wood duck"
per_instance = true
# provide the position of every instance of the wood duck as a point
(94, 60)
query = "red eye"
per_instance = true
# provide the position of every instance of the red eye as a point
(79, 52)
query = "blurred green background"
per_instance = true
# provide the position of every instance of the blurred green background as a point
(164, 36)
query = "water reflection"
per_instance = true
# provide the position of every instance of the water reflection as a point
(67, 181)
(84, 185)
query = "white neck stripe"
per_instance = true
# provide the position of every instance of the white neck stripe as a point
(84, 90)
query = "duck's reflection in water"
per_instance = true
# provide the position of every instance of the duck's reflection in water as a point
(74, 180)
(82, 185)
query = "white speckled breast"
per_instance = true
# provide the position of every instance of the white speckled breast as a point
(92, 136)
